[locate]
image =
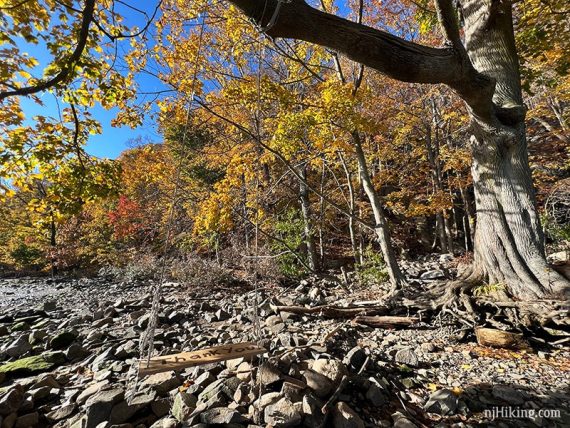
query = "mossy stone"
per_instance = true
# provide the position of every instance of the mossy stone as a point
(28, 365)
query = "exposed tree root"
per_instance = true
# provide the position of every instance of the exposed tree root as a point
(495, 307)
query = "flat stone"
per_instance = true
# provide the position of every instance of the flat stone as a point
(432, 275)
(61, 413)
(28, 365)
(18, 347)
(268, 374)
(221, 415)
(344, 417)
(407, 357)
(100, 405)
(282, 414)
(28, 420)
(508, 394)
(319, 383)
(443, 402)
(160, 407)
(90, 390)
(163, 383)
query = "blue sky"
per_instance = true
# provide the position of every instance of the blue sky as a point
(113, 140)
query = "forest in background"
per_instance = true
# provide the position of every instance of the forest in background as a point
(277, 148)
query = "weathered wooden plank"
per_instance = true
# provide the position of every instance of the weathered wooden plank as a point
(196, 358)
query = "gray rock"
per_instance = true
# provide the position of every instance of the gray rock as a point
(407, 357)
(162, 383)
(432, 275)
(76, 352)
(319, 383)
(160, 407)
(355, 358)
(184, 405)
(313, 417)
(221, 415)
(165, 423)
(222, 315)
(268, 374)
(11, 401)
(99, 406)
(334, 370)
(62, 340)
(443, 402)
(18, 347)
(27, 420)
(375, 394)
(344, 417)
(37, 336)
(400, 421)
(61, 413)
(508, 394)
(124, 411)
(282, 414)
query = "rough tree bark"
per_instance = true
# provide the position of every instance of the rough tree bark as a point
(484, 72)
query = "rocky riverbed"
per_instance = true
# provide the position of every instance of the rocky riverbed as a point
(68, 353)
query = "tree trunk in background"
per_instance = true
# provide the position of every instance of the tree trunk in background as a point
(352, 227)
(306, 212)
(509, 243)
(381, 226)
(53, 245)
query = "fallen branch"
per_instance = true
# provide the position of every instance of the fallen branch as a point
(385, 321)
(332, 311)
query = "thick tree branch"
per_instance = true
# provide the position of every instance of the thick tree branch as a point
(448, 22)
(67, 68)
(398, 58)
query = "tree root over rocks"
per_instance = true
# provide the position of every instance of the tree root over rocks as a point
(471, 302)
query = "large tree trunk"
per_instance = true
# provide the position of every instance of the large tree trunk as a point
(509, 244)
(485, 74)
